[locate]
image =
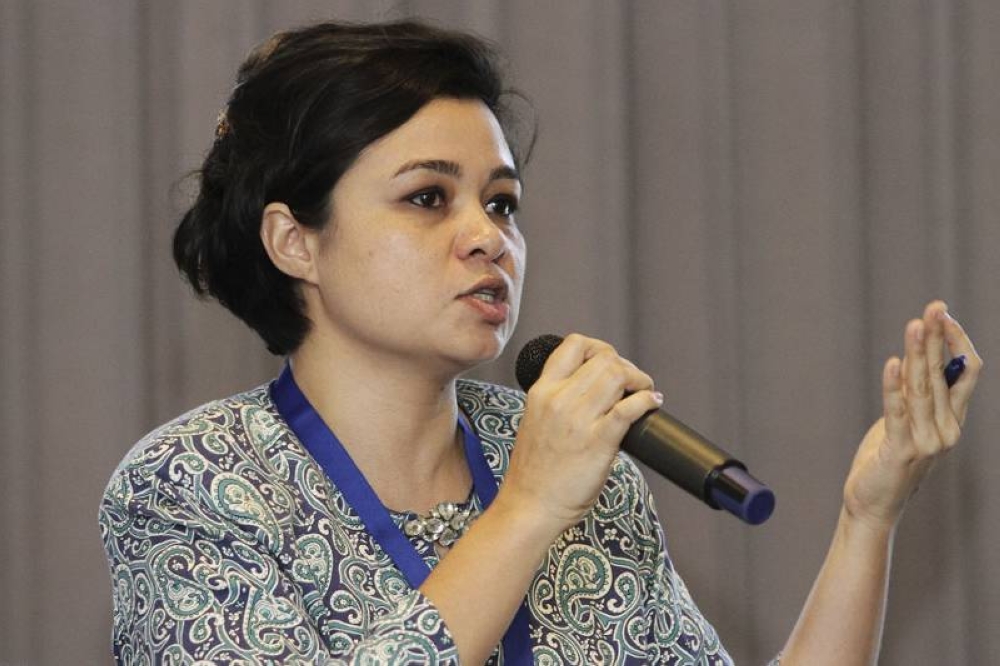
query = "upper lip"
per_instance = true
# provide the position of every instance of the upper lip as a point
(493, 283)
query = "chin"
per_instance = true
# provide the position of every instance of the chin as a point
(479, 350)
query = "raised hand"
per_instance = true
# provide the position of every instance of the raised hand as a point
(922, 418)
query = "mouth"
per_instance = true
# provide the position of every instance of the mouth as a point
(489, 298)
(489, 290)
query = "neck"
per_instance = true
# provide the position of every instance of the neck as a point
(398, 424)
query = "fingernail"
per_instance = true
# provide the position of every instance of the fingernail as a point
(658, 397)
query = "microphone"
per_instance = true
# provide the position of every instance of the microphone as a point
(674, 450)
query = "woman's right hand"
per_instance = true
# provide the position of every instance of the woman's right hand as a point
(576, 417)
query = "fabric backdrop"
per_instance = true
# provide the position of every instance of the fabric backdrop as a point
(748, 198)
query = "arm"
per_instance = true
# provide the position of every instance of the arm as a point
(480, 584)
(841, 622)
(567, 441)
(190, 585)
(196, 565)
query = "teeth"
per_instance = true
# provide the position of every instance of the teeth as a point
(487, 296)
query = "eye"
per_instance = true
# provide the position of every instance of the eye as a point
(433, 198)
(503, 205)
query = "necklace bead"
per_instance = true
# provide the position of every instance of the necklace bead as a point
(442, 525)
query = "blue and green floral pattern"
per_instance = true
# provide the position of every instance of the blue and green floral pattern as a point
(228, 544)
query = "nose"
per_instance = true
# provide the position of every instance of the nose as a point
(480, 236)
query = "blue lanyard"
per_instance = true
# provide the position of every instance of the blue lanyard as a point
(331, 455)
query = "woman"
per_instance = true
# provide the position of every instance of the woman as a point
(357, 209)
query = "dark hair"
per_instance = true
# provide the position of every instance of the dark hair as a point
(306, 103)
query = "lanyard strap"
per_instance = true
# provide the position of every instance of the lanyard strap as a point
(331, 455)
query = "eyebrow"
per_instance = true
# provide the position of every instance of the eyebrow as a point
(449, 168)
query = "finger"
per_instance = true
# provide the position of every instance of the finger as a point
(610, 368)
(944, 417)
(604, 379)
(919, 400)
(959, 344)
(897, 420)
(903, 374)
(571, 353)
(625, 412)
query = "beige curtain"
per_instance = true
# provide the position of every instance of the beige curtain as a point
(750, 198)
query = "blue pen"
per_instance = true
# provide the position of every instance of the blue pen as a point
(954, 370)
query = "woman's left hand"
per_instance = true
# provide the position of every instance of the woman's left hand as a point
(922, 419)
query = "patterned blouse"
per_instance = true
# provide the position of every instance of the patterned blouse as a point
(227, 543)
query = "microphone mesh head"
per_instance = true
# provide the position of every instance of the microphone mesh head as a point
(532, 359)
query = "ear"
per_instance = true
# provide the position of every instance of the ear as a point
(291, 245)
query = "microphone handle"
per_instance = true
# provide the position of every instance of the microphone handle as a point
(699, 467)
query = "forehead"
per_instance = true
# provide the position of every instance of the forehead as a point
(457, 130)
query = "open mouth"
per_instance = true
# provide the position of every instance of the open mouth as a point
(486, 295)
(489, 298)
(492, 290)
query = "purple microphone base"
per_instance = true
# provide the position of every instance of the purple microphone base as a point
(742, 495)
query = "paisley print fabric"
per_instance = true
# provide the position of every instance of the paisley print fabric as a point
(228, 544)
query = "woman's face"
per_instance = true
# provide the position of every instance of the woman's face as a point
(422, 259)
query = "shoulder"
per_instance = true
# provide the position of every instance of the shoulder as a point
(200, 465)
(206, 431)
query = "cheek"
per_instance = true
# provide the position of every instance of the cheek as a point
(518, 257)
(516, 272)
(401, 261)
(368, 265)
(403, 248)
